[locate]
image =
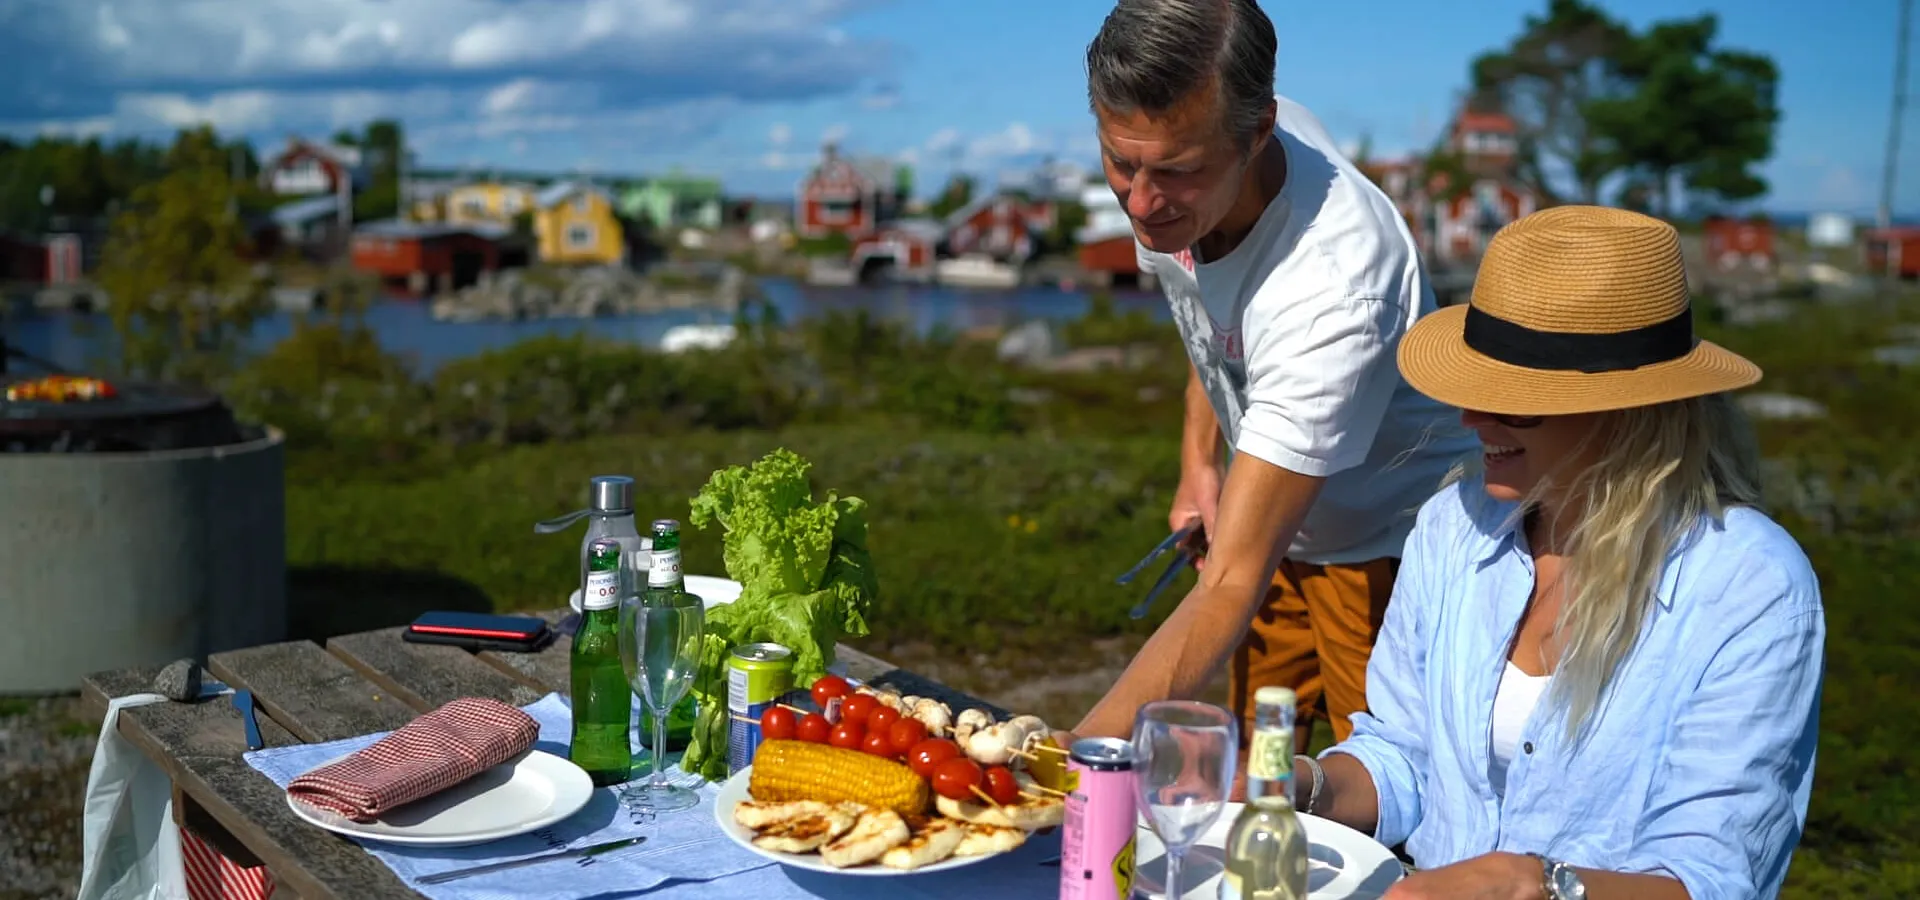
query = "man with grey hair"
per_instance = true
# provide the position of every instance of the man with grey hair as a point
(1292, 279)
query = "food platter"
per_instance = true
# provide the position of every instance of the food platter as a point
(734, 791)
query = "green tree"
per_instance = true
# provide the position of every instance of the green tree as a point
(957, 193)
(1548, 79)
(180, 296)
(1697, 117)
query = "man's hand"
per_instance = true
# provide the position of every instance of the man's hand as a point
(1197, 499)
(1491, 876)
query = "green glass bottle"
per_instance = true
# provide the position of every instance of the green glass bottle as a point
(666, 586)
(1266, 847)
(602, 697)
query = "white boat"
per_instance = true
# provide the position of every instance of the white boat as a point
(681, 338)
(977, 272)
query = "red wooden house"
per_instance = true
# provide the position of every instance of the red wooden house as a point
(1000, 225)
(907, 247)
(422, 257)
(1454, 221)
(1739, 243)
(302, 168)
(52, 260)
(845, 196)
(1893, 252)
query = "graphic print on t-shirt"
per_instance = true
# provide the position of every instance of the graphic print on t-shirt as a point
(1218, 352)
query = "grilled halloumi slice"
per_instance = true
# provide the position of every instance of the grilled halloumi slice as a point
(757, 816)
(930, 842)
(807, 833)
(986, 840)
(873, 834)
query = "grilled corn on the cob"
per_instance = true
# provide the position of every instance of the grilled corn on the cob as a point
(798, 770)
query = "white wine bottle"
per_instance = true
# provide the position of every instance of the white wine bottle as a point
(1267, 848)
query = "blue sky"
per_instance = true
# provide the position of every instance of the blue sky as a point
(748, 89)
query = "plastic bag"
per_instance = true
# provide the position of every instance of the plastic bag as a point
(130, 843)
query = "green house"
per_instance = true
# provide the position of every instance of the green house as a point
(673, 201)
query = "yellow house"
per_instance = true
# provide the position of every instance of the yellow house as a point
(487, 203)
(575, 223)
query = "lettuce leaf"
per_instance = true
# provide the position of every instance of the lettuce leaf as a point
(807, 582)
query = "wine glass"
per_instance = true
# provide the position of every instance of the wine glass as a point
(1186, 754)
(660, 647)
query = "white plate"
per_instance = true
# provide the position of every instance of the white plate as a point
(711, 591)
(734, 791)
(532, 791)
(1344, 864)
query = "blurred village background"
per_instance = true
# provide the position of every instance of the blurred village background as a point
(418, 355)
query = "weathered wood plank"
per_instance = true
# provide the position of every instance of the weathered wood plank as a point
(311, 692)
(545, 670)
(199, 745)
(98, 688)
(427, 676)
(879, 672)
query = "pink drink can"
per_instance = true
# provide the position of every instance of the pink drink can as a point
(1096, 847)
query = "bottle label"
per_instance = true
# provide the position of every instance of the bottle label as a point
(665, 571)
(1271, 756)
(602, 591)
(1229, 886)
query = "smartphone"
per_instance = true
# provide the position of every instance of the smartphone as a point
(480, 631)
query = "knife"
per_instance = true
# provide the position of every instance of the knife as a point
(243, 701)
(590, 850)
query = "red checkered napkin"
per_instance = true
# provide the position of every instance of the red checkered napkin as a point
(423, 757)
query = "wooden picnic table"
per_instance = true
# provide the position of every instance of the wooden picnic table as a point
(356, 684)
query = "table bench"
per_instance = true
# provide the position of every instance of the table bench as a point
(356, 684)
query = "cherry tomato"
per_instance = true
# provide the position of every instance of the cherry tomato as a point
(929, 754)
(848, 735)
(857, 707)
(956, 778)
(906, 734)
(813, 728)
(827, 688)
(1001, 786)
(882, 719)
(777, 724)
(878, 744)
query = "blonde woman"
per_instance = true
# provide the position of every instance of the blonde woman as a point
(1599, 675)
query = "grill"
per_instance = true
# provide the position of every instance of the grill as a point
(141, 417)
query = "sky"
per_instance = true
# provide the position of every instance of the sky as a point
(748, 90)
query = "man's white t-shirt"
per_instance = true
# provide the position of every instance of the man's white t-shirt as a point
(1294, 334)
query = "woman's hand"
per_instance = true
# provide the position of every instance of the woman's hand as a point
(1493, 876)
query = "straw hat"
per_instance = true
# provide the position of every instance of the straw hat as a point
(1576, 309)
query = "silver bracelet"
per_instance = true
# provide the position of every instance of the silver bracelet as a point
(1319, 781)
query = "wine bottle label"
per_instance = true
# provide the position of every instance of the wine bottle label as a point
(1229, 886)
(1271, 756)
(603, 590)
(665, 571)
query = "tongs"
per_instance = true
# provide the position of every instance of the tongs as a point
(1180, 560)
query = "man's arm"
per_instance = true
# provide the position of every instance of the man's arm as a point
(1260, 509)
(1198, 493)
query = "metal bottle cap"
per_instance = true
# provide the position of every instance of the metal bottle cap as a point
(661, 526)
(610, 493)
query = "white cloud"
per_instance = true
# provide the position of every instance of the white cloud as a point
(780, 134)
(1840, 187)
(835, 133)
(943, 140)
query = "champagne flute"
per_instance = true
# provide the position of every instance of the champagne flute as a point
(660, 647)
(1187, 752)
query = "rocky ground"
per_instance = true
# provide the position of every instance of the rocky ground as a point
(45, 748)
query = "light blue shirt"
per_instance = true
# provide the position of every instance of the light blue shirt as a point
(1697, 763)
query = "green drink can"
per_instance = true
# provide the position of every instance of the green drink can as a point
(758, 675)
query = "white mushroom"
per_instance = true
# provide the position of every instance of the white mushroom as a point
(970, 721)
(933, 714)
(908, 702)
(889, 699)
(989, 746)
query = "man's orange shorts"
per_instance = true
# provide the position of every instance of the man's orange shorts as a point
(1314, 634)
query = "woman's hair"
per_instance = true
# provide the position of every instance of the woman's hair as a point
(1662, 471)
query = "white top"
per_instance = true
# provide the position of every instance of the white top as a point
(1294, 334)
(1519, 693)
